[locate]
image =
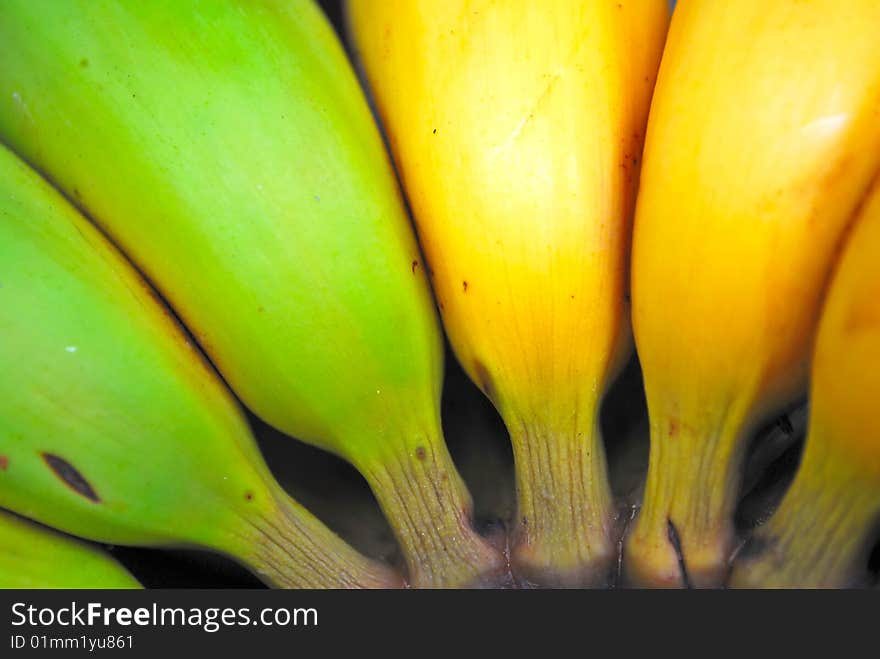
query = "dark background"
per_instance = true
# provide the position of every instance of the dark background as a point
(338, 495)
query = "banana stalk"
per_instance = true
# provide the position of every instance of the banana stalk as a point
(517, 131)
(227, 148)
(114, 427)
(763, 137)
(822, 533)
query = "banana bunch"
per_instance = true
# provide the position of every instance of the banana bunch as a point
(517, 130)
(199, 218)
(115, 427)
(35, 557)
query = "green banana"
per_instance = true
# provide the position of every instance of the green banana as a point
(32, 556)
(228, 150)
(113, 426)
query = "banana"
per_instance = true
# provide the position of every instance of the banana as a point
(763, 135)
(113, 426)
(824, 528)
(228, 150)
(517, 131)
(32, 556)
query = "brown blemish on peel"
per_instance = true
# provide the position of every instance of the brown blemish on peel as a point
(484, 380)
(420, 453)
(248, 496)
(464, 286)
(415, 264)
(4, 463)
(673, 428)
(70, 476)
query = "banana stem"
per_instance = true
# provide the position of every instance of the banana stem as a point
(683, 535)
(287, 547)
(820, 535)
(563, 533)
(430, 511)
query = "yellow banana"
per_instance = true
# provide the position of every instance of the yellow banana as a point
(822, 532)
(32, 556)
(517, 130)
(764, 134)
